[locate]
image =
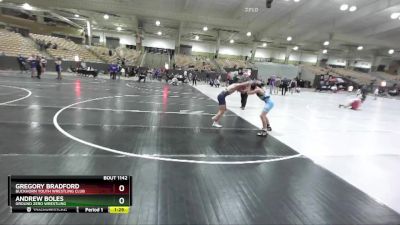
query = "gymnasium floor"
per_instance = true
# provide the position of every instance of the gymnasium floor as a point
(184, 171)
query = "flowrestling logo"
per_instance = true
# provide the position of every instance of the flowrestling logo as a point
(251, 10)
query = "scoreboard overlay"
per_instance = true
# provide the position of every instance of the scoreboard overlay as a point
(70, 194)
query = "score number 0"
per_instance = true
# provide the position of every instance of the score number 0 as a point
(121, 200)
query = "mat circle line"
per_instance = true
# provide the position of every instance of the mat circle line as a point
(19, 99)
(144, 156)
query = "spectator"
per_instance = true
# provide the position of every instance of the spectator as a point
(32, 62)
(278, 85)
(21, 63)
(190, 76)
(174, 80)
(334, 88)
(119, 72)
(292, 86)
(38, 66)
(321, 85)
(195, 78)
(156, 73)
(285, 84)
(58, 68)
(135, 71)
(393, 90)
(364, 92)
(216, 83)
(211, 82)
(41, 45)
(236, 76)
(272, 85)
(358, 92)
(350, 88)
(123, 72)
(181, 78)
(169, 77)
(123, 62)
(113, 69)
(142, 76)
(83, 64)
(43, 63)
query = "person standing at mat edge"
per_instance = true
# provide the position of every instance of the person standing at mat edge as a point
(58, 68)
(194, 79)
(241, 87)
(257, 88)
(32, 62)
(43, 63)
(285, 84)
(113, 69)
(38, 66)
(21, 63)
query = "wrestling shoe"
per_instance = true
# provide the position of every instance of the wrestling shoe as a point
(217, 125)
(262, 133)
